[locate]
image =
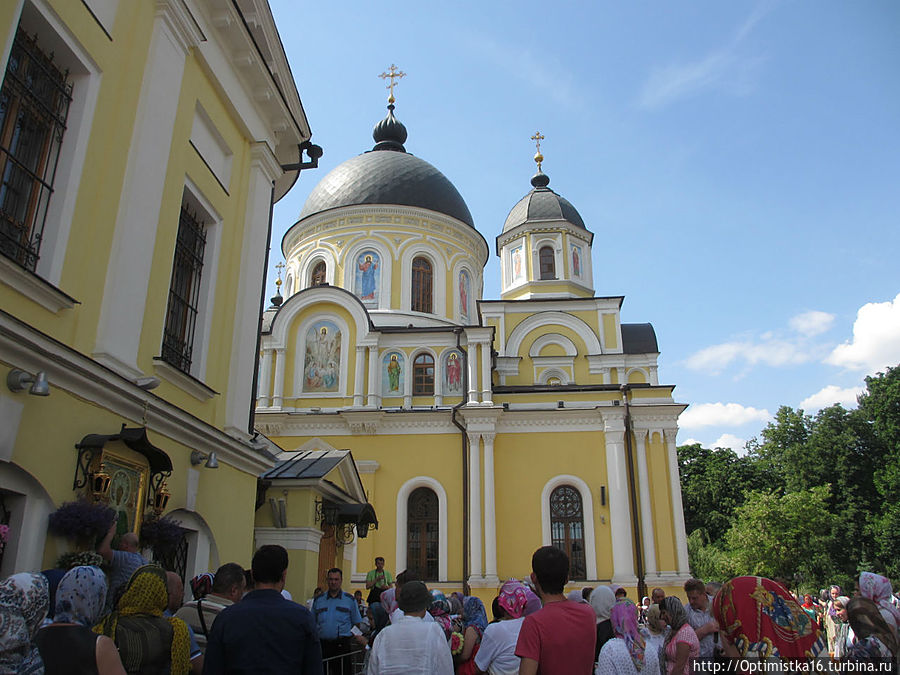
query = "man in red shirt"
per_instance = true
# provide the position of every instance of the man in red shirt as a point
(558, 638)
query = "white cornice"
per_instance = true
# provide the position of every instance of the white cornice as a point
(292, 538)
(33, 287)
(85, 378)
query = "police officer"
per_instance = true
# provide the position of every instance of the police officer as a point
(336, 614)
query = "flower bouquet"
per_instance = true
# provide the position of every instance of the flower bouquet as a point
(78, 558)
(456, 643)
(4, 536)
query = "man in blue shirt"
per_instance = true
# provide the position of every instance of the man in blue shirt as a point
(337, 614)
(264, 633)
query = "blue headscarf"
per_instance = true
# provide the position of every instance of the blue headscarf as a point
(81, 596)
(474, 614)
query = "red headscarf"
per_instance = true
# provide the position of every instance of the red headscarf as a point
(760, 618)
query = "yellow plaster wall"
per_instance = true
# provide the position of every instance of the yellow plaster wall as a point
(636, 377)
(610, 334)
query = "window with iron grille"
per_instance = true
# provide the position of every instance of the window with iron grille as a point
(34, 104)
(548, 263)
(567, 528)
(423, 375)
(421, 285)
(184, 291)
(318, 274)
(422, 534)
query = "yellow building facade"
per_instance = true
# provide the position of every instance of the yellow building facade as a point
(143, 148)
(479, 429)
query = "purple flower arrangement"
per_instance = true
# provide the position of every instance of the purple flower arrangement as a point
(81, 519)
(161, 533)
(4, 534)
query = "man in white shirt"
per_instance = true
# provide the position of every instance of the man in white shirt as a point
(411, 646)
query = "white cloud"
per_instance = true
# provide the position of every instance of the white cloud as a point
(720, 414)
(830, 395)
(812, 323)
(768, 350)
(730, 441)
(722, 69)
(876, 339)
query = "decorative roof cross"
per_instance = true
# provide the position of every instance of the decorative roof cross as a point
(392, 74)
(538, 157)
(279, 267)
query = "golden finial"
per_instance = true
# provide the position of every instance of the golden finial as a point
(392, 74)
(538, 157)
(279, 267)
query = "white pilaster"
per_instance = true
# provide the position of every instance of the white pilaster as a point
(649, 542)
(372, 401)
(677, 507)
(264, 395)
(619, 514)
(264, 169)
(490, 525)
(359, 378)
(278, 388)
(407, 384)
(486, 374)
(473, 374)
(474, 507)
(129, 268)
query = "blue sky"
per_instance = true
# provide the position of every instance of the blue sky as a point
(738, 163)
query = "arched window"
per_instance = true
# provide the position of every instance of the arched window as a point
(422, 534)
(567, 528)
(318, 274)
(421, 285)
(548, 263)
(423, 375)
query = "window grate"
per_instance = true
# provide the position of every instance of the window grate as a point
(567, 528)
(34, 103)
(184, 291)
(422, 534)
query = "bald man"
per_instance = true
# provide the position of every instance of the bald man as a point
(122, 563)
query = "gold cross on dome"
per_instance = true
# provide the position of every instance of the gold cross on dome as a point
(279, 267)
(392, 74)
(538, 157)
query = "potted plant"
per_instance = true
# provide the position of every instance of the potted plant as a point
(82, 521)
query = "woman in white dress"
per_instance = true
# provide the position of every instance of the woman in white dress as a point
(626, 652)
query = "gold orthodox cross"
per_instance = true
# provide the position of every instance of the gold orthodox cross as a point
(538, 157)
(392, 74)
(279, 267)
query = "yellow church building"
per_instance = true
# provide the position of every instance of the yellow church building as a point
(451, 434)
(142, 144)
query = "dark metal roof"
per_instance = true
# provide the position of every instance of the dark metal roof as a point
(310, 464)
(389, 177)
(639, 338)
(136, 439)
(540, 204)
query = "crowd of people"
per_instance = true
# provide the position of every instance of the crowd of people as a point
(86, 620)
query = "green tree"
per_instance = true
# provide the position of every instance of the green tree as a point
(779, 536)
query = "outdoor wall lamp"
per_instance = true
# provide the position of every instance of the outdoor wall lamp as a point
(212, 462)
(17, 379)
(100, 481)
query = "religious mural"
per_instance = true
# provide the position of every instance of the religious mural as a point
(576, 261)
(322, 366)
(453, 374)
(518, 273)
(392, 374)
(368, 264)
(465, 287)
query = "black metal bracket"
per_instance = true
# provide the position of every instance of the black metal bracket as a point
(156, 481)
(86, 455)
(313, 151)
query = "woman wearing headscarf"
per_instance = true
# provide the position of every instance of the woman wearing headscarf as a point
(758, 618)
(830, 615)
(809, 607)
(148, 642)
(68, 646)
(24, 600)
(602, 601)
(681, 646)
(874, 639)
(842, 638)
(654, 631)
(497, 653)
(626, 652)
(440, 612)
(474, 619)
(201, 585)
(878, 589)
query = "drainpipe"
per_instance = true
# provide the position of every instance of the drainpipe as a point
(465, 462)
(251, 423)
(635, 524)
